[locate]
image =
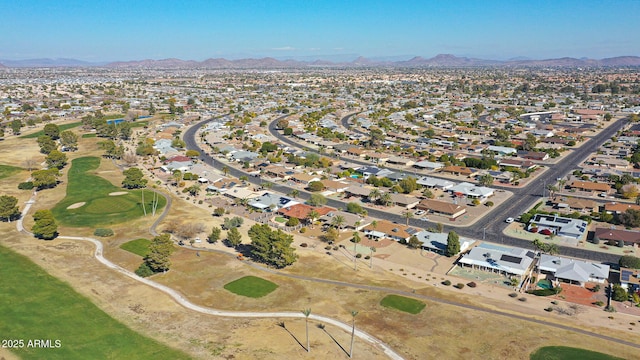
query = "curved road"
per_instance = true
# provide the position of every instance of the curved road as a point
(98, 254)
(493, 225)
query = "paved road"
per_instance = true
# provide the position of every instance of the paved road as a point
(98, 254)
(493, 223)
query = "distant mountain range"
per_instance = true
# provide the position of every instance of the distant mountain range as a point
(442, 60)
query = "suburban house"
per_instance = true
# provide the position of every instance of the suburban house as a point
(442, 208)
(351, 221)
(428, 165)
(518, 164)
(437, 242)
(432, 182)
(465, 189)
(271, 202)
(572, 271)
(561, 226)
(534, 155)
(387, 229)
(615, 236)
(304, 178)
(405, 201)
(367, 171)
(630, 279)
(589, 186)
(619, 208)
(242, 193)
(301, 211)
(358, 190)
(334, 186)
(460, 170)
(574, 204)
(499, 259)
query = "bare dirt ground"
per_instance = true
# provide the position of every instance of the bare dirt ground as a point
(440, 331)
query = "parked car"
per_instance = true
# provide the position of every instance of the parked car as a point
(509, 220)
(419, 212)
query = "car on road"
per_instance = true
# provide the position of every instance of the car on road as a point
(424, 219)
(509, 220)
(419, 212)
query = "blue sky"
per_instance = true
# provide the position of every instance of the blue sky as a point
(111, 30)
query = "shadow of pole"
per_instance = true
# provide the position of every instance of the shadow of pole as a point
(282, 325)
(322, 327)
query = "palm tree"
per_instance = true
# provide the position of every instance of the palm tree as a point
(373, 249)
(374, 195)
(385, 199)
(353, 331)
(355, 239)
(225, 170)
(312, 216)
(407, 215)
(294, 193)
(337, 221)
(306, 313)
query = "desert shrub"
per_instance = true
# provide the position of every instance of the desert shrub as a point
(367, 257)
(358, 256)
(523, 299)
(303, 230)
(144, 270)
(327, 247)
(595, 288)
(458, 285)
(549, 309)
(489, 203)
(303, 245)
(103, 232)
(446, 283)
(546, 292)
(472, 284)
(27, 185)
(598, 303)
(513, 295)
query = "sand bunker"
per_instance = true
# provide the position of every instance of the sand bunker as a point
(118, 193)
(76, 205)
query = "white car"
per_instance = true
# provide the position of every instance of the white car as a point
(419, 212)
(424, 219)
(509, 220)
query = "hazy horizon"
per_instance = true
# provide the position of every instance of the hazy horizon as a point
(499, 30)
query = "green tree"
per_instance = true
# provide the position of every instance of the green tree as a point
(52, 131)
(408, 215)
(214, 236)
(272, 247)
(315, 186)
(134, 179)
(178, 143)
(69, 140)
(160, 250)
(16, 125)
(485, 180)
(337, 221)
(414, 242)
(45, 179)
(9, 208)
(219, 211)
(56, 159)
(354, 208)
(293, 221)
(46, 144)
(193, 190)
(453, 244)
(45, 226)
(312, 216)
(192, 153)
(234, 237)
(619, 293)
(317, 200)
(629, 261)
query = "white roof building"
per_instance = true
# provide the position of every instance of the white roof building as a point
(509, 261)
(572, 270)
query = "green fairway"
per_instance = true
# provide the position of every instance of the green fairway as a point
(35, 305)
(137, 246)
(402, 303)
(568, 353)
(8, 170)
(100, 208)
(61, 127)
(251, 286)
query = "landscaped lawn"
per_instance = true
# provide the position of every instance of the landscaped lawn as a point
(568, 353)
(402, 303)
(280, 219)
(137, 246)
(90, 135)
(62, 128)
(251, 286)
(36, 305)
(8, 170)
(100, 208)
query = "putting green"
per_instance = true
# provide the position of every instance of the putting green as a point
(100, 207)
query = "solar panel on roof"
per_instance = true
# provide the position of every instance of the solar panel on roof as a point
(511, 259)
(625, 275)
